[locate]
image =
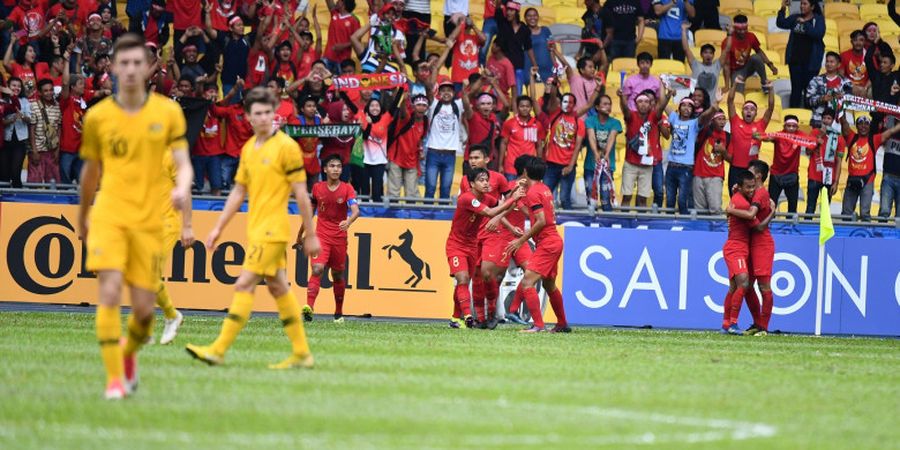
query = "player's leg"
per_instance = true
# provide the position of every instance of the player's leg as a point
(490, 274)
(530, 295)
(765, 289)
(458, 264)
(108, 324)
(140, 325)
(726, 306)
(340, 287)
(478, 296)
(556, 302)
(319, 263)
(173, 318)
(741, 284)
(289, 313)
(237, 317)
(521, 258)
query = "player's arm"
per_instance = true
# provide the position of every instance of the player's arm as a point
(232, 205)
(745, 214)
(493, 212)
(89, 181)
(181, 195)
(354, 214)
(310, 241)
(540, 221)
(765, 223)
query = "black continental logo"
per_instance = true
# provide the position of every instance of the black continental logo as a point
(18, 267)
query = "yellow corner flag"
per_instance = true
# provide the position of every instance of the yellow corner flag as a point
(826, 228)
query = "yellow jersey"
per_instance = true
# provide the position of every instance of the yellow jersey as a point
(268, 172)
(130, 148)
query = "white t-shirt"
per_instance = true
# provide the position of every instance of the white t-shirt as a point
(456, 6)
(419, 6)
(445, 130)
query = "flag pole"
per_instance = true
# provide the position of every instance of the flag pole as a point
(826, 232)
(819, 287)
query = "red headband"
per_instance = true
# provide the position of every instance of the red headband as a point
(233, 20)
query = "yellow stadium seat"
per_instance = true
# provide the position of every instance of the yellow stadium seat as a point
(834, 10)
(735, 7)
(669, 67)
(888, 27)
(776, 58)
(713, 37)
(650, 35)
(844, 43)
(763, 41)
(757, 24)
(783, 72)
(766, 8)
(873, 13)
(629, 65)
(777, 41)
(831, 43)
(831, 28)
(568, 14)
(847, 26)
(547, 15)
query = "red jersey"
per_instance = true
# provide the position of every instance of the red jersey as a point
(30, 20)
(522, 138)
(515, 216)
(286, 70)
(465, 56)
(741, 50)
(209, 143)
(761, 201)
(76, 16)
(466, 222)
(818, 166)
(28, 77)
(853, 67)
(506, 73)
(787, 157)
(537, 199)
(186, 13)
(642, 139)
(861, 159)
(237, 128)
(151, 30)
(565, 129)
(72, 114)
(257, 67)
(479, 131)
(221, 11)
(743, 147)
(739, 229)
(497, 182)
(706, 163)
(332, 207)
(404, 149)
(305, 62)
(339, 31)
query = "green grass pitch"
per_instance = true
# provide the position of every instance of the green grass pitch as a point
(423, 385)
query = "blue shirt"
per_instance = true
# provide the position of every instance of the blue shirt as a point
(541, 54)
(670, 22)
(684, 139)
(601, 132)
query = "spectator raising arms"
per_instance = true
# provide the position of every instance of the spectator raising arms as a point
(744, 147)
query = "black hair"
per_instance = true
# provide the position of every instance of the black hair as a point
(479, 148)
(834, 55)
(331, 157)
(280, 82)
(706, 99)
(791, 116)
(644, 56)
(208, 86)
(20, 54)
(308, 98)
(582, 62)
(474, 173)
(183, 78)
(306, 34)
(649, 92)
(706, 47)
(601, 97)
(740, 18)
(890, 57)
(284, 44)
(74, 79)
(21, 84)
(474, 77)
(350, 5)
(535, 169)
(523, 98)
(348, 63)
(520, 163)
(857, 33)
(43, 82)
(762, 167)
(744, 176)
(828, 112)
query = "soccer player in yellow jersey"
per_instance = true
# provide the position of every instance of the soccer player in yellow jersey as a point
(127, 135)
(271, 167)
(176, 226)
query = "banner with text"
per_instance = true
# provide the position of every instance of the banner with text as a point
(675, 279)
(395, 267)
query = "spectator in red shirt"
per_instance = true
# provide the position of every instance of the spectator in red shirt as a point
(237, 132)
(342, 25)
(743, 147)
(405, 151)
(466, 40)
(74, 12)
(24, 67)
(861, 148)
(73, 105)
(499, 66)
(483, 126)
(709, 168)
(206, 155)
(740, 61)
(642, 151)
(566, 132)
(154, 23)
(785, 167)
(853, 64)
(28, 18)
(185, 14)
(341, 112)
(521, 135)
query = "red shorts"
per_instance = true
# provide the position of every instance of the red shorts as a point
(762, 256)
(493, 252)
(545, 259)
(333, 256)
(461, 261)
(736, 258)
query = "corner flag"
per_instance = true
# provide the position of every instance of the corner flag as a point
(826, 228)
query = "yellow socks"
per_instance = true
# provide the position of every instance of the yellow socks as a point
(109, 331)
(289, 313)
(164, 302)
(237, 317)
(137, 333)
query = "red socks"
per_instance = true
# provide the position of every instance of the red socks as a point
(726, 311)
(556, 302)
(736, 302)
(516, 303)
(534, 305)
(752, 302)
(478, 295)
(339, 287)
(312, 290)
(462, 297)
(491, 292)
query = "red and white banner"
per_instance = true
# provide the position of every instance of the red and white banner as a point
(796, 139)
(855, 103)
(374, 81)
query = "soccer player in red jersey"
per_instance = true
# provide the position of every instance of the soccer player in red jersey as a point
(332, 199)
(543, 263)
(479, 159)
(496, 265)
(471, 208)
(762, 253)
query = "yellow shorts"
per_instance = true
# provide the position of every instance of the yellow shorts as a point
(265, 258)
(135, 253)
(171, 236)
